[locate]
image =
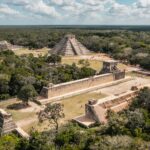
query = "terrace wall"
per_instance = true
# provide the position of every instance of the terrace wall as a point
(65, 88)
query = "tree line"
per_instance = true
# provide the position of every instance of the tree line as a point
(128, 46)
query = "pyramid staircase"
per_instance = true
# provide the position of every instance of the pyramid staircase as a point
(70, 46)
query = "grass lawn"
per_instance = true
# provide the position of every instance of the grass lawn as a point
(95, 64)
(26, 51)
(16, 114)
(75, 106)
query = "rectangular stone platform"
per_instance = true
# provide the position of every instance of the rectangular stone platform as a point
(96, 110)
(84, 90)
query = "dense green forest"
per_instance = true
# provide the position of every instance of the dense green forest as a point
(129, 129)
(128, 44)
(17, 72)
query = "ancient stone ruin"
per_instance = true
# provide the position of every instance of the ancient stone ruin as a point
(110, 66)
(7, 124)
(70, 46)
(4, 45)
(96, 110)
(71, 88)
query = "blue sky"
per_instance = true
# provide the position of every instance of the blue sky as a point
(68, 12)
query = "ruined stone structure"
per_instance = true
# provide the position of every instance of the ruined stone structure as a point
(6, 122)
(60, 89)
(96, 110)
(67, 89)
(7, 125)
(4, 45)
(70, 46)
(110, 66)
(82, 85)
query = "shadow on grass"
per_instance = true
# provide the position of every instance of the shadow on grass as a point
(18, 106)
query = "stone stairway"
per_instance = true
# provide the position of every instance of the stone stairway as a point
(70, 46)
(75, 46)
(68, 51)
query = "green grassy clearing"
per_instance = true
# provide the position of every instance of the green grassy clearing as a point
(75, 106)
(16, 114)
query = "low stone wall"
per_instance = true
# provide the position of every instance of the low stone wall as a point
(146, 73)
(78, 92)
(64, 88)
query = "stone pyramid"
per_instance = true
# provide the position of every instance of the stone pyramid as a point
(70, 46)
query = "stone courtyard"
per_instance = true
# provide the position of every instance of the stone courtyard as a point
(125, 86)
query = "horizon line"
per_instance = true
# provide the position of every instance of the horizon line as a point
(72, 25)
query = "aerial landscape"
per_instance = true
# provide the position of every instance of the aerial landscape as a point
(75, 75)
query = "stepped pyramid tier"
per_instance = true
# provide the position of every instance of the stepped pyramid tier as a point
(6, 123)
(69, 46)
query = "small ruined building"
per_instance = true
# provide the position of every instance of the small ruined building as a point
(96, 110)
(69, 46)
(110, 66)
(7, 124)
(4, 45)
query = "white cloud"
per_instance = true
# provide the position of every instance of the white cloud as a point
(80, 11)
(143, 3)
(18, 2)
(42, 8)
(119, 9)
(5, 10)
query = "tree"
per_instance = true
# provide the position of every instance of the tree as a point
(27, 93)
(9, 142)
(87, 72)
(145, 63)
(71, 136)
(136, 121)
(54, 59)
(143, 99)
(116, 123)
(4, 87)
(52, 113)
(37, 141)
(84, 63)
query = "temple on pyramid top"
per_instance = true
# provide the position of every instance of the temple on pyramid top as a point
(69, 46)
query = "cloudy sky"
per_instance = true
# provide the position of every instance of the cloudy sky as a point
(68, 12)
